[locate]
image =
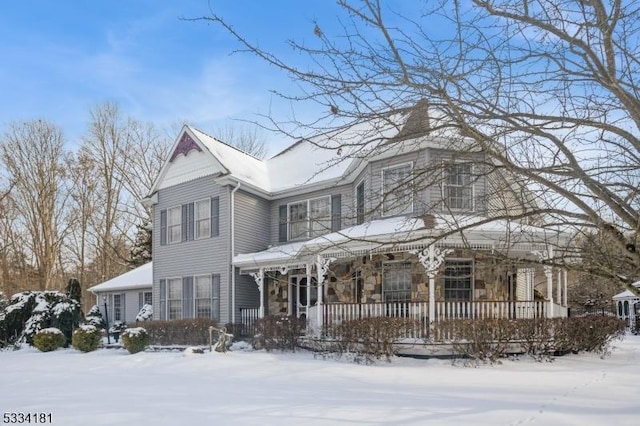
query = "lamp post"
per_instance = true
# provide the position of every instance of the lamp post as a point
(106, 317)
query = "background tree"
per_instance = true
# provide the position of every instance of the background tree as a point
(74, 290)
(548, 90)
(33, 155)
(142, 246)
(247, 137)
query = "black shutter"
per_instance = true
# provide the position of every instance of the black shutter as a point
(215, 296)
(140, 300)
(187, 297)
(183, 221)
(282, 230)
(336, 207)
(163, 299)
(215, 216)
(190, 222)
(163, 227)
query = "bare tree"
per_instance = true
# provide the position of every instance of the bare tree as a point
(546, 90)
(34, 157)
(247, 138)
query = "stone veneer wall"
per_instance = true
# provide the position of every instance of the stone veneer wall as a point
(490, 280)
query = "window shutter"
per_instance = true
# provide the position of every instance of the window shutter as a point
(163, 227)
(215, 296)
(183, 222)
(123, 308)
(163, 299)
(190, 222)
(282, 230)
(215, 216)
(140, 300)
(336, 207)
(187, 297)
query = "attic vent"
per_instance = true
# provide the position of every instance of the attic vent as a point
(185, 145)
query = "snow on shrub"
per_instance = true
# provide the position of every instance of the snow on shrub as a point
(135, 339)
(49, 339)
(145, 313)
(31, 311)
(86, 338)
(94, 317)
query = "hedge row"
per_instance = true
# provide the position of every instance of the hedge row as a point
(179, 332)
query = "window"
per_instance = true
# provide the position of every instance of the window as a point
(319, 216)
(174, 224)
(458, 280)
(396, 282)
(397, 190)
(203, 296)
(458, 187)
(360, 203)
(117, 307)
(309, 218)
(174, 298)
(145, 298)
(203, 218)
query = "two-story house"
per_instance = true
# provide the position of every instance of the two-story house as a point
(367, 220)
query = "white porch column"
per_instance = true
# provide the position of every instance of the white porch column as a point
(308, 271)
(565, 279)
(431, 258)
(559, 287)
(259, 278)
(322, 266)
(548, 272)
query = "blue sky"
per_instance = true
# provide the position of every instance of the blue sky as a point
(61, 58)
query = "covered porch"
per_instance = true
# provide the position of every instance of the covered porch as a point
(426, 281)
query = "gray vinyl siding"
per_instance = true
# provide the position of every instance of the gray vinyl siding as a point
(197, 257)
(129, 299)
(373, 194)
(346, 209)
(252, 230)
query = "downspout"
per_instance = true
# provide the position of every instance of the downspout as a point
(233, 253)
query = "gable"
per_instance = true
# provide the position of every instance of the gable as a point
(189, 160)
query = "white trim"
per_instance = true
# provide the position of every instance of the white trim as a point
(167, 281)
(397, 166)
(355, 200)
(169, 240)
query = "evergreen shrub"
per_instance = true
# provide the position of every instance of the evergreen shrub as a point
(49, 339)
(135, 339)
(86, 338)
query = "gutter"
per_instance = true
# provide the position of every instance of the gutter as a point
(233, 252)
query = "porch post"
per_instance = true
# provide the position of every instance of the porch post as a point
(565, 277)
(548, 272)
(259, 278)
(308, 271)
(431, 258)
(559, 287)
(322, 266)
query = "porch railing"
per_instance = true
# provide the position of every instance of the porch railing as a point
(340, 312)
(248, 318)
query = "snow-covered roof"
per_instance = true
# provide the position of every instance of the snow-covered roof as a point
(627, 294)
(139, 278)
(401, 230)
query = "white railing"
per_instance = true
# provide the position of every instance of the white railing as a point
(248, 318)
(335, 313)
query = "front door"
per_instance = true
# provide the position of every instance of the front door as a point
(303, 296)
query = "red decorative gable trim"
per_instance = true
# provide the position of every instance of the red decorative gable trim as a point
(185, 145)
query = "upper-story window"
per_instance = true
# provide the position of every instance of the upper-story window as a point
(457, 187)
(203, 218)
(309, 218)
(397, 190)
(360, 203)
(174, 224)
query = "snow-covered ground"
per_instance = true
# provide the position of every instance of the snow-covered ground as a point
(111, 387)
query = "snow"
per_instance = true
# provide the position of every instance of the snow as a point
(50, 330)
(134, 331)
(141, 277)
(627, 294)
(245, 387)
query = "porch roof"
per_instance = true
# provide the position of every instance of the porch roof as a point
(138, 278)
(407, 233)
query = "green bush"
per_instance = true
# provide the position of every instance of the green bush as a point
(192, 332)
(135, 339)
(278, 332)
(86, 338)
(30, 311)
(49, 339)
(94, 317)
